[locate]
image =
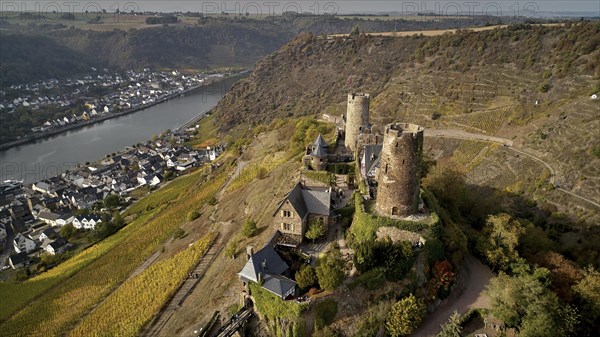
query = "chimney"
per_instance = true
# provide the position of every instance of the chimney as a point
(249, 252)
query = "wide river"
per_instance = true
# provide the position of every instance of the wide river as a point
(51, 156)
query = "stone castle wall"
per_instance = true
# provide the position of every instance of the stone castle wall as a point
(400, 170)
(357, 118)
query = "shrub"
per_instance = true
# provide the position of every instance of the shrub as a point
(325, 312)
(193, 215)
(249, 228)
(330, 272)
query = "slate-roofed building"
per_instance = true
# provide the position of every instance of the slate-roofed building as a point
(370, 160)
(265, 268)
(299, 207)
(316, 156)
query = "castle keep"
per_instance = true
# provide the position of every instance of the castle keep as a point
(400, 170)
(357, 118)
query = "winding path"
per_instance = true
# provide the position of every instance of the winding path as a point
(476, 277)
(461, 134)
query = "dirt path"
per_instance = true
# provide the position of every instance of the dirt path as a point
(461, 134)
(476, 277)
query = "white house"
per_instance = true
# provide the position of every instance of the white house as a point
(150, 179)
(64, 220)
(47, 234)
(22, 243)
(87, 221)
(57, 246)
(48, 217)
(18, 260)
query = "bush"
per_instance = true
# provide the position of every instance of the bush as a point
(179, 233)
(193, 215)
(249, 228)
(325, 312)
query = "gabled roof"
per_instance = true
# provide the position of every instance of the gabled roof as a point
(265, 262)
(19, 258)
(278, 285)
(305, 201)
(320, 142)
(56, 244)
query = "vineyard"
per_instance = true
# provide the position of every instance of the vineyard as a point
(56, 311)
(253, 171)
(470, 153)
(16, 295)
(488, 121)
(130, 307)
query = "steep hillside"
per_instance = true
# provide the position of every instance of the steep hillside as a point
(529, 84)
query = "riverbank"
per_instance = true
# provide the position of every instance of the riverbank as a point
(40, 136)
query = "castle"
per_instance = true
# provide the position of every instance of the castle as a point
(391, 163)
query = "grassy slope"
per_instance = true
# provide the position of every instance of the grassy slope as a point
(57, 308)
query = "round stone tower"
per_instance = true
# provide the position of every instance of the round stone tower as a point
(357, 118)
(399, 170)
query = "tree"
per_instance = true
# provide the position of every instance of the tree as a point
(405, 316)
(330, 272)
(452, 328)
(316, 229)
(524, 302)
(249, 228)
(68, 231)
(355, 31)
(231, 249)
(112, 201)
(502, 232)
(587, 299)
(306, 277)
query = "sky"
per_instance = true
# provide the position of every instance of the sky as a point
(537, 8)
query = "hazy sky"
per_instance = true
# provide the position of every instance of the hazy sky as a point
(507, 7)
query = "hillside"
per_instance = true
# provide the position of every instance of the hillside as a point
(195, 44)
(484, 82)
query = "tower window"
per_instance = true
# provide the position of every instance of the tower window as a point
(386, 167)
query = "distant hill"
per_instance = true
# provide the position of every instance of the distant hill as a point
(33, 51)
(306, 75)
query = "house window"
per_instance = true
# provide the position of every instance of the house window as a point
(287, 214)
(286, 226)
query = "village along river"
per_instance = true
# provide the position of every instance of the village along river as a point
(51, 156)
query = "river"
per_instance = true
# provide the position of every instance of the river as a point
(51, 156)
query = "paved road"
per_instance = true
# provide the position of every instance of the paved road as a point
(461, 134)
(476, 278)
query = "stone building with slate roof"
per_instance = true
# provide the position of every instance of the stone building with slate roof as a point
(316, 156)
(265, 268)
(299, 207)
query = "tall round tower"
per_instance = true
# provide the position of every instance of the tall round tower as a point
(357, 118)
(400, 170)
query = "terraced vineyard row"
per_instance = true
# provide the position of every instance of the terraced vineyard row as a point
(488, 121)
(465, 155)
(54, 312)
(133, 304)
